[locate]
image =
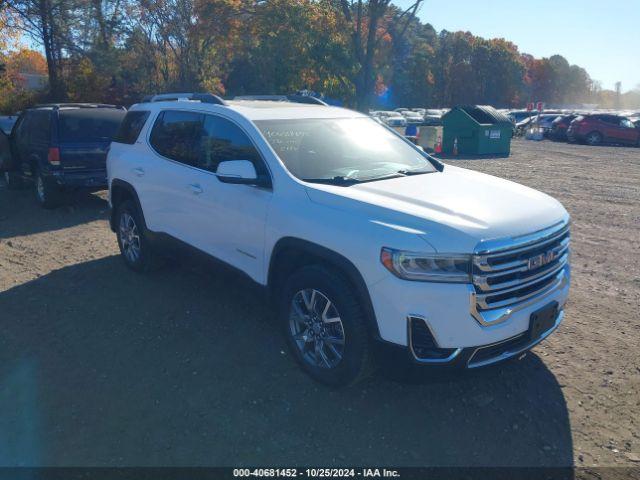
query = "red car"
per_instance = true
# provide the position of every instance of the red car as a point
(598, 128)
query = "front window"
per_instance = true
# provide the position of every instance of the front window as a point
(342, 150)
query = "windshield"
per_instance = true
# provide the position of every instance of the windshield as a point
(359, 149)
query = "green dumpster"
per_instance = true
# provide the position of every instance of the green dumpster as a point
(478, 129)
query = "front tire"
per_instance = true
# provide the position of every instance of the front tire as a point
(594, 138)
(324, 325)
(135, 249)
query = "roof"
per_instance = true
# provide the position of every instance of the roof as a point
(259, 109)
(483, 114)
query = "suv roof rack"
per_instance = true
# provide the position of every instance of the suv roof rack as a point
(294, 98)
(175, 97)
(78, 105)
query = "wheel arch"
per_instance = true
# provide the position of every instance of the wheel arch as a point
(119, 192)
(291, 253)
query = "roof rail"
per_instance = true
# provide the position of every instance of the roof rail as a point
(297, 98)
(78, 105)
(294, 98)
(174, 97)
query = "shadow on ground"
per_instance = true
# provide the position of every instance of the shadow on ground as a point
(21, 215)
(102, 366)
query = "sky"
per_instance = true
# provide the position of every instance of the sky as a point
(602, 36)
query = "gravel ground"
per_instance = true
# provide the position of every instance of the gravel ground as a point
(100, 366)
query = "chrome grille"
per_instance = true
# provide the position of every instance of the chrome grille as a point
(513, 273)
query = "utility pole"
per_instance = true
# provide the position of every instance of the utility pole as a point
(618, 90)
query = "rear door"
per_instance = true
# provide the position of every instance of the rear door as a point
(610, 127)
(32, 140)
(84, 135)
(164, 174)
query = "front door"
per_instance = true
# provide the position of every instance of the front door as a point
(182, 196)
(230, 218)
(628, 133)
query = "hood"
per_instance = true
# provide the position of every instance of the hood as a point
(453, 210)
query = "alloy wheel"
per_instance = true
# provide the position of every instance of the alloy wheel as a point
(129, 237)
(316, 328)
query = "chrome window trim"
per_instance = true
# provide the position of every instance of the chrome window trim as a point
(453, 355)
(151, 125)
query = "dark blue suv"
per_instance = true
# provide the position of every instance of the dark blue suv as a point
(61, 146)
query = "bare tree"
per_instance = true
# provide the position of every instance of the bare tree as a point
(365, 18)
(47, 22)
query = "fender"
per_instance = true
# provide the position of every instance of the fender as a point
(117, 184)
(333, 258)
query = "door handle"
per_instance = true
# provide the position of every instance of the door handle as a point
(195, 188)
(138, 171)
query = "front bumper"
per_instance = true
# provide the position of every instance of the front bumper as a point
(460, 338)
(484, 355)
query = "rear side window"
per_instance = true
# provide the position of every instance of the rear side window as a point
(131, 126)
(175, 135)
(89, 124)
(40, 127)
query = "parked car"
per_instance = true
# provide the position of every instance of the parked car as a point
(598, 128)
(518, 116)
(413, 118)
(432, 120)
(545, 122)
(560, 126)
(60, 147)
(362, 241)
(394, 119)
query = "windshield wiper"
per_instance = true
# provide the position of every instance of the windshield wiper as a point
(338, 180)
(346, 181)
(414, 172)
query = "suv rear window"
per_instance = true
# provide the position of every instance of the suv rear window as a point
(131, 126)
(89, 124)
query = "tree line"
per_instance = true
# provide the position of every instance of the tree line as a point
(359, 53)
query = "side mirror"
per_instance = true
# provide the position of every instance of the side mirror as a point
(239, 172)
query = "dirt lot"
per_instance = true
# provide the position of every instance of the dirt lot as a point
(101, 366)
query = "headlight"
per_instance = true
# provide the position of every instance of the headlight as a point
(427, 267)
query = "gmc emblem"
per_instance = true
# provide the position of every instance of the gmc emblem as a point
(542, 259)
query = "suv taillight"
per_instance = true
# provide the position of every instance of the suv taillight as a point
(54, 156)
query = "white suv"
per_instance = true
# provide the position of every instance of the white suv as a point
(360, 238)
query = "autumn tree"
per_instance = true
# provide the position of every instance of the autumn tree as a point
(364, 21)
(308, 42)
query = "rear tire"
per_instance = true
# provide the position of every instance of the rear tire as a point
(593, 138)
(48, 194)
(135, 248)
(331, 343)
